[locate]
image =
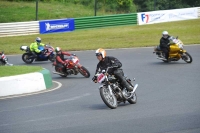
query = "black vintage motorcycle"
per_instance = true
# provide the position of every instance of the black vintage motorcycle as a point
(112, 92)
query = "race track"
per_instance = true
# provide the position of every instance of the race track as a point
(168, 99)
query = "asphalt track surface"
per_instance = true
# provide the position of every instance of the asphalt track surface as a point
(168, 99)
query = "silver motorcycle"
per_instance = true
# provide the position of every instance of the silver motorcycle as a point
(112, 92)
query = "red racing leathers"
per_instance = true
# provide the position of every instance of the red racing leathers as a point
(61, 62)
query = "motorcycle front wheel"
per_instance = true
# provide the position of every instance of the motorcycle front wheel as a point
(26, 58)
(133, 99)
(84, 72)
(187, 57)
(108, 99)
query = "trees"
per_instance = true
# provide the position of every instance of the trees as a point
(151, 5)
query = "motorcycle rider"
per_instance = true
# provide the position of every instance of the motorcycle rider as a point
(34, 47)
(5, 60)
(61, 62)
(107, 61)
(164, 43)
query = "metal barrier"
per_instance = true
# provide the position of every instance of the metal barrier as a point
(19, 28)
(104, 21)
(32, 27)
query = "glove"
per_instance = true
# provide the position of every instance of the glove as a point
(94, 79)
(65, 64)
(42, 52)
(73, 54)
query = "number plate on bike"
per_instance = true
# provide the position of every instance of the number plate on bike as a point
(101, 78)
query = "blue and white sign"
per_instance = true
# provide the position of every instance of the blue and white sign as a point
(53, 26)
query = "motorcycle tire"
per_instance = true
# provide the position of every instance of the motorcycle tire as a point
(109, 100)
(25, 57)
(84, 72)
(187, 57)
(2, 63)
(133, 99)
(52, 58)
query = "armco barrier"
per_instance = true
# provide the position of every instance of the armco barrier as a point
(25, 83)
(104, 21)
(199, 12)
(19, 28)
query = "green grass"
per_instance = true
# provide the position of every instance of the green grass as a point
(17, 70)
(109, 37)
(26, 11)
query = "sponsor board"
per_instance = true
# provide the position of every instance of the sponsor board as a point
(53, 26)
(167, 15)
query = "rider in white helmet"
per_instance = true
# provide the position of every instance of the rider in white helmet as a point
(34, 47)
(62, 62)
(107, 61)
(164, 41)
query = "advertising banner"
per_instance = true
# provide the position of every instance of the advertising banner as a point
(167, 15)
(53, 26)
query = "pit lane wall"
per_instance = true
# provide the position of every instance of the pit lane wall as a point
(25, 83)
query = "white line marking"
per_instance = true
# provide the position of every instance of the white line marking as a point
(45, 104)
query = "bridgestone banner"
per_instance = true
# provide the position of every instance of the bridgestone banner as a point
(53, 26)
(167, 15)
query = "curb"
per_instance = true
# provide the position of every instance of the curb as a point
(25, 83)
(47, 78)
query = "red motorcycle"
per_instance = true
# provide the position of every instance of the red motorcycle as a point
(73, 67)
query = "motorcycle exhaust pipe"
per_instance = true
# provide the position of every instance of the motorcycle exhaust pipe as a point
(58, 73)
(161, 58)
(134, 89)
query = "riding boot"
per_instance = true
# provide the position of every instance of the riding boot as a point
(127, 85)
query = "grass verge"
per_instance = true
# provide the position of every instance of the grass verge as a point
(17, 70)
(26, 11)
(109, 37)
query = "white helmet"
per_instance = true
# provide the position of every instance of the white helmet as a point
(165, 34)
(57, 49)
(101, 52)
(38, 40)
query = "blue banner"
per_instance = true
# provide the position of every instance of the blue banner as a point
(54, 26)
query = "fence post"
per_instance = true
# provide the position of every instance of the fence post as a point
(36, 18)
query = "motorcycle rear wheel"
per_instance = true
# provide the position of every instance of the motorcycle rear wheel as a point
(84, 72)
(52, 58)
(133, 99)
(187, 57)
(109, 100)
(2, 63)
(25, 58)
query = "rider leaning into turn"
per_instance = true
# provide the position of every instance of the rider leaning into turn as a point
(61, 62)
(34, 47)
(107, 61)
(164, 43)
